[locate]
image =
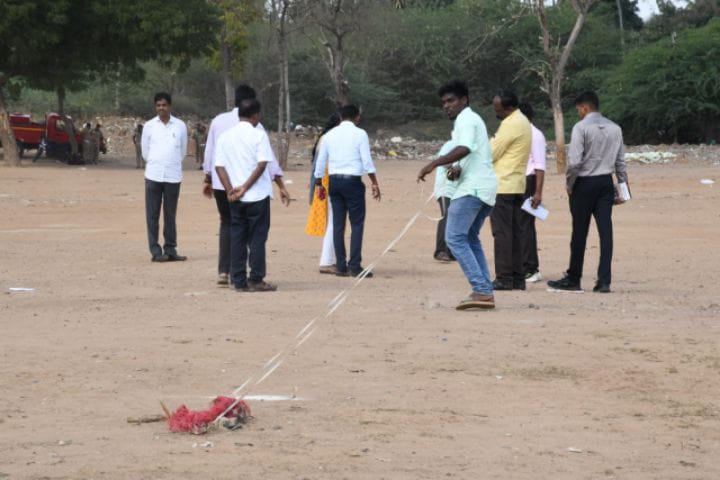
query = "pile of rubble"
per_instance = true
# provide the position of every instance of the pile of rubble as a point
(660, 154)
(400, 148)
(118, 132)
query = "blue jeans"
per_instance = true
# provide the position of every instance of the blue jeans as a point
(462, 234)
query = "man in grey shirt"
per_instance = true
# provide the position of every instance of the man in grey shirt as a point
(596, 151)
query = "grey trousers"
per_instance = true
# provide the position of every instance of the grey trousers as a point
(161, 195)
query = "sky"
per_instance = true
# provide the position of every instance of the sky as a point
(647, 8)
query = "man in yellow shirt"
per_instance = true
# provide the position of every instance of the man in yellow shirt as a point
(510, 151)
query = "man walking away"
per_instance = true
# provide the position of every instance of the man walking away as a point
(596, 151)
(534, 180)
(241, 159)
(474, 193)
(510, 151)
(346, 151)
(164, 145)
(213, 187)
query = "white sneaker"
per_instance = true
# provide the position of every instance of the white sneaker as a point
(534, 278)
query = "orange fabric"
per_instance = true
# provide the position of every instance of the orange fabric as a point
(317, 217)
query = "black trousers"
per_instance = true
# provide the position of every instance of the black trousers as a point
(249, 227)
(591, 197)
(161, 195)
(223, 207)
(440, 245)
(347, 196)
(506, 224)
(531, 263)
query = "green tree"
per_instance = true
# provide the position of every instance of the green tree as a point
(228, 57)
(669, 91)
(85, 39)
(24, 53)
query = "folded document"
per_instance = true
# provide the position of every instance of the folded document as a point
(539, 212)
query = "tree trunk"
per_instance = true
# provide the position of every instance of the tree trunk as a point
(341, 87)
(70, 131)
(557, 58)
(117, 91)
(7, 138)
(559, 124)
(336, 68)
(61, 100)
(283, 128)
(227, 72)
(620, 24)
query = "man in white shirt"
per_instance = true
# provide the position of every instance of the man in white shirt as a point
(346, 151)
(164, 145)
(213, 186)
(241, 161)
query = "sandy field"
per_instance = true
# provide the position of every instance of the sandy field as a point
(396, 384)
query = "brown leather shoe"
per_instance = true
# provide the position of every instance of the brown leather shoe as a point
(261, 287)
(329, 269)
(477, 300)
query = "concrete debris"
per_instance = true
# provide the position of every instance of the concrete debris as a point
(650, 157)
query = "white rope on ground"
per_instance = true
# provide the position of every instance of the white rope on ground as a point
(308, 330)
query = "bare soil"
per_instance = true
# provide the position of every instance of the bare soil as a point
(396, 384)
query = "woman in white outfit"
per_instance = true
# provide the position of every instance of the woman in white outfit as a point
(327, 256)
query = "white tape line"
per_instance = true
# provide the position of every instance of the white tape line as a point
(333, 305)
(306, 328)
(305, 338)
(269, 372)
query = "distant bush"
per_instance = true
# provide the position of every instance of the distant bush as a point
(669, 91)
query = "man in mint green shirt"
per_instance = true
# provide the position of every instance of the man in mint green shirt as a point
(474, 195)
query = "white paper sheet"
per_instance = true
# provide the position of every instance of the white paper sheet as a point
(623, 191)
(539, 212)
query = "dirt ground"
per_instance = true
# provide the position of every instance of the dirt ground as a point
(396, 384)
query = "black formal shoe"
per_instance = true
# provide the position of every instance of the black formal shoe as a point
(498, 285)
(601, 288)
(243, 287)
(356, 273)
(160, 258)
(518, 285)
(443, 257)
(564, 284)
(342, 273)
(174, 257)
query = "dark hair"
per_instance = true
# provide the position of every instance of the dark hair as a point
(349, 111)
(244, 92)
(454, 87)
(588, 96)
(507, 98)
(163, 96)
(248, 108)
(332, 122)
(527, 110)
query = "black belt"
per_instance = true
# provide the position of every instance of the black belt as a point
(345, 177)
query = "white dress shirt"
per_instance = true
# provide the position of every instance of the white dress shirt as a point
(239, 151)
(218, 126)
(346, 151)
(537, 152)
(164, 146)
